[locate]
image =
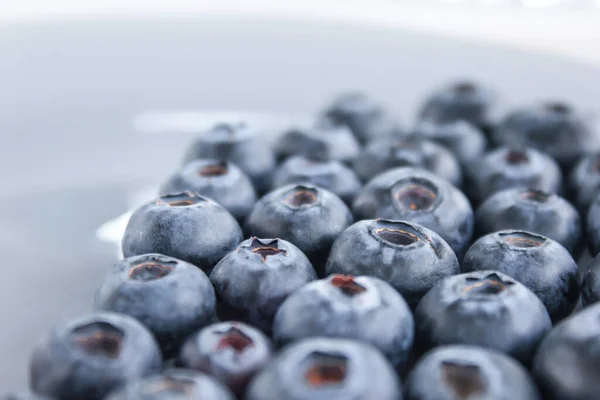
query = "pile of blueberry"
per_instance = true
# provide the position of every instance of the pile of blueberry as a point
(347, 262)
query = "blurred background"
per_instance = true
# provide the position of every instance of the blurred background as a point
(98, 100)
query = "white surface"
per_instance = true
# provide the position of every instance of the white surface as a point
(573, 32)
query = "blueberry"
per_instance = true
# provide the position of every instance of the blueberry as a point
(539, 263)
(590, 290)
(383, 154)
(554, 128)
(365, 117)
(341, 306)
(241, 145)
(534, 211)
(325, 140)
(92, 355)
(231, 352)
(170, 297)
(408, 256)
(309, 217)
(186, 226)
(584, 182)
(23, 396)
(327, 369)
(221, 181)
(418, 196)
(464, 139)
(469, 372)
(465, 100)
(484, 308)
(506, 168)
(252, 281)
(566, 364)
(174, 384)
(330, 175)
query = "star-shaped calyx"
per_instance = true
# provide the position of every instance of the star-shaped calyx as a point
(266, 248)
(491, 284)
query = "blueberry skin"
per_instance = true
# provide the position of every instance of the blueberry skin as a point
(330, 175)
(469, 372)
(590, 290)
(231, 352)
(174, 384)
(483, 308)
(309, 217)
(220, 181)
(325, 140)
(341, 306)
(185, 226)
(554, 128)
(252, 281)
(584, 182)
(408, 256)
(534, 211)
(327, 369)
(541, 264)
(593, 227)
(384, 154)
(466, 100)
(239, 144)
(366, 118)
(91, 355)
(462, 138)
(23, 396)
(416, 195)
(566, 364)
(506, 168)
(172, 298)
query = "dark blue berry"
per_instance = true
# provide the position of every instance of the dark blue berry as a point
(566, 364)
(593, 227)
(220, 181)
(408, 256)
(365, 117)
(23, 396)
(534, 211)
(416, 195)
(92, 355)
(231, 352)
(330, 175)
(172, 298)
(469, 372)
(464, 100)
(309, 217)
(462, 138)
(506, 168)
(554, 128)
(384, 154)
(241, 145)
(186, 226)
(483, 308)
(174, 384)
(253, 280)
(539, 263)
(342, 306)
(327, 369)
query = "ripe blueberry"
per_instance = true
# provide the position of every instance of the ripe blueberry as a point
(186, 226)
(253, 280)
(92, 355)
(231, 352)
(462, 138)
(342, 306)
(416, 195)
(408, 256)
(172, 298)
